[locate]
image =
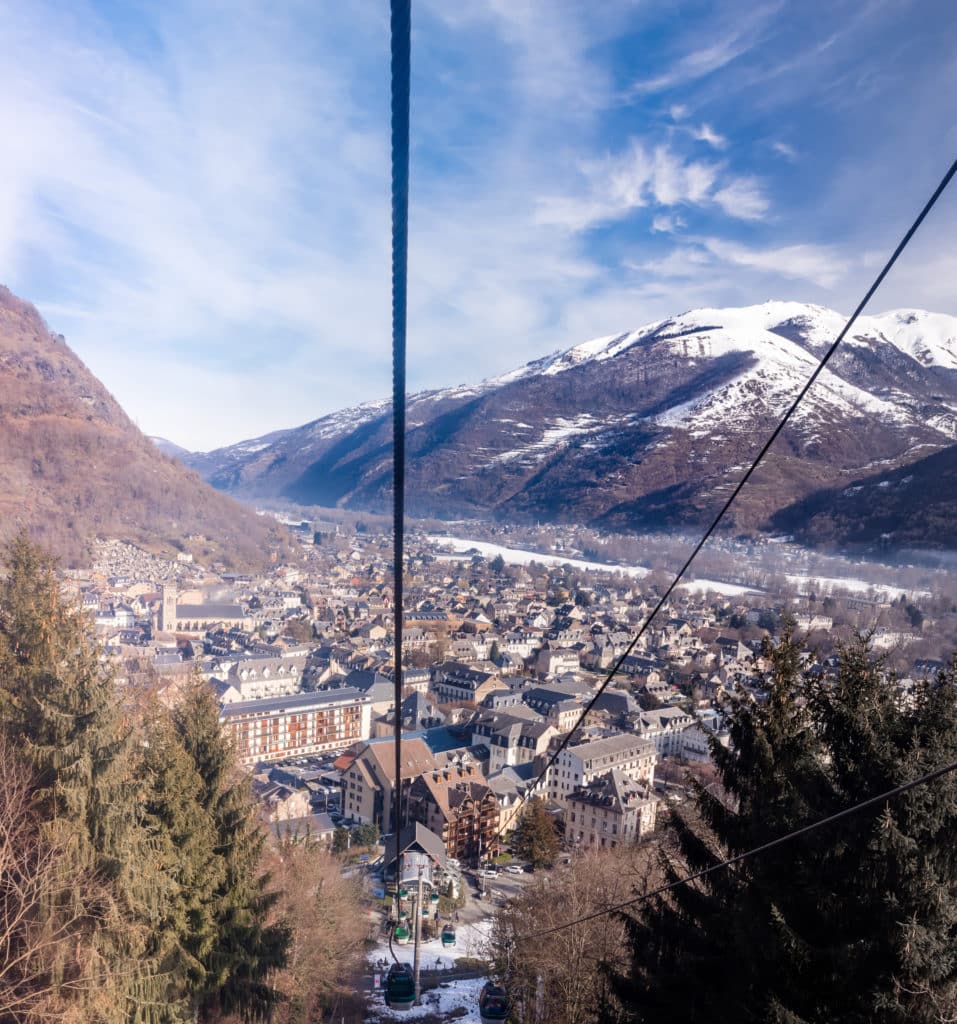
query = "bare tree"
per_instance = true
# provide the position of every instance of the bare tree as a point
(42, 908)
(329, 929)
(564, 974)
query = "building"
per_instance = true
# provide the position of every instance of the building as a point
(664, 727)
(511, 740)
(196, 619)
(612, 809)
(454, 682)
(561, 709)
(302, 723)
(457, 804)
(577, 766)
(368, 784)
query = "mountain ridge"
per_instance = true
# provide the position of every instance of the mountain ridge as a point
(641, 429)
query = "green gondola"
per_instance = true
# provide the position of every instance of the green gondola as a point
(448, 935)
(402, 935)
(434, 898)
(403, 893)
(493, 1003)
(400, 987)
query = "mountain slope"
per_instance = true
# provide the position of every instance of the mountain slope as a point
(73, 467)
(910, 507)
(646, 429)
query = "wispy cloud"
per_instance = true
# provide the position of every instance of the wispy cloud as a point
(705, 133)
(817, 264)
(655, 176)
(784, 150)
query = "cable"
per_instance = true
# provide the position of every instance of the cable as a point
(401, 68)
(928, 206)
(738, 858)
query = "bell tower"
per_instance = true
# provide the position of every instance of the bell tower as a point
(168, 620)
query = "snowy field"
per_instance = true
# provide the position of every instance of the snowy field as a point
(518, 556)
(828, 585)
(717, 587)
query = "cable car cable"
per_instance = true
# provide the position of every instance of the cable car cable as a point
(825, 359)
(400, 75)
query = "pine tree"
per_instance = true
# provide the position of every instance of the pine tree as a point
(59, 710)
(535, 839)
(184, 938)
(249, 946)
(854, 923)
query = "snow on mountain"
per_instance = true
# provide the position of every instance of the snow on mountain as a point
(639, 427)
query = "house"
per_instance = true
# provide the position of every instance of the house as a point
(278, 802)
(316, 828)
(611, 810)
(554, 661)
(457, 804)
(368, 784)
(511, 739)
(555, 705)
(453, 682)
(513, 785)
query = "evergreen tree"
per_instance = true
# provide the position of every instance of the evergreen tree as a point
(535, 839)
(249, 947)
(59, 709)
(852, 923)
(185, 937)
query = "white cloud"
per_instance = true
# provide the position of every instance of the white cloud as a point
(743, 198)
(705, 133)
(656, 176)
(678, 111)
(694, 65)
(784, 150)
(818, 264)
(666, 223)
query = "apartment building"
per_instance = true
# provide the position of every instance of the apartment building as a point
(611, 810)
(577, 766)
(297, 724)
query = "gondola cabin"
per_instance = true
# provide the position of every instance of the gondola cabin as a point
(493, 1003)
(448, 935)
(400, 987)
(402, 934)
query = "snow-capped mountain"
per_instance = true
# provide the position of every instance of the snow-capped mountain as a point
(648, 428)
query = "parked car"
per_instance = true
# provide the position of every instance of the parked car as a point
(514, 869)
(489, 873)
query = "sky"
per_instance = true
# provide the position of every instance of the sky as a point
(197, 194)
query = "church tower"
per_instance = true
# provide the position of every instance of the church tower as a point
(168, 620)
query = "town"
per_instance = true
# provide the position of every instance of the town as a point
(500, 661)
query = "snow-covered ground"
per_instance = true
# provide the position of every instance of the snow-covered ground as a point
(702, 586)
(518, 556)
(828, 585)
(470, 941)
(441, 1001)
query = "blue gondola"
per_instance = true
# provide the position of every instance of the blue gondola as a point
(400, 987)
(493, 1003)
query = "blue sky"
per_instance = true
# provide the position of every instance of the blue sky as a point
(196, 195)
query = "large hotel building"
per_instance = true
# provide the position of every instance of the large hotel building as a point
(299, 724)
